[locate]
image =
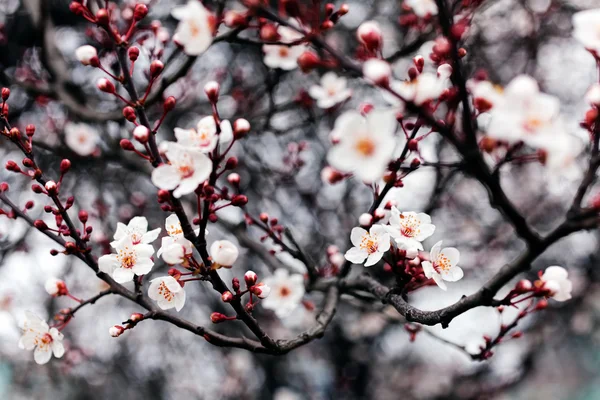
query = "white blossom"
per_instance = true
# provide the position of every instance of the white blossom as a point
(586, 26)
(365, 146)
(284, 56)
(195, 29)
(224, 252)
(425, 87)
(39, 336)
(137, 230)
(443, 265)
(205, 136)
(409, 229)
(556, 279)
(186, 170)
(422, 8)
(368, 246)
(332, 90)
(377, 71)
(167, 293)
(286, 292)
(175, 247)
(130, 259)
(81, 138)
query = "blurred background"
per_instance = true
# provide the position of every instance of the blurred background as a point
(366, 352)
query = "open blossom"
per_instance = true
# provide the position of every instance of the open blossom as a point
(167, 293)
(136, 230)
(186, 170)
(286, 292)
(524, 114)
(332, 91)
(39, 336)
(586, 26)
(130, 259)
(556, 280)
(422, 8)
(485, 94)
(196, 27)
(368, 246)
(224, 253)
(174, 247)
(56, 287)
(443, 265)
(81, 138)
(365, 146)
(409, 229)
(423, 88)
(205, 136)
(283, 56)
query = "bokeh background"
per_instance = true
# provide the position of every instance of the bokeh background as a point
(366, 352)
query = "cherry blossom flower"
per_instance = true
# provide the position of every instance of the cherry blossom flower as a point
(365, 146)
(195, 29)
(187, 169)
(55, 287)
(39, 336)
(586, 26)
(286, 292)
(422, 8)
(425, 87)
(137, 230)
(525, 114)
(556, 280)
(130, 259)
(409, 229)
(485, 94)
(332, 91)
(86, 54)
(167, 293)
(377, 71)
(224, 253)
(369, 246)
(175, 247)
(442, 265)
(283, 56)
(205, 136)
(81, 138)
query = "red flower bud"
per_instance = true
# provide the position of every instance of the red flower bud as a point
(241, 127)
(268, 33)
(212, 89)
(227, 296)
(169, 104)
(133, 53)
(156, 67)
(139, 12)
(239, 200)
(163, 195)
(106, 86)
(65, 165)
(5, 93)
(129, 114)
(83, 216)
(126, 145)
(141, 133)
(102, 17)
(39, 224)
(76, 8)
(217, 317)
(233, 179)
(231, 163)
(308, 61)
(12, 166)
(30, 130)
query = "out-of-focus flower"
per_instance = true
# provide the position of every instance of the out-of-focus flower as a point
(167, 293)
(524, 114)
(556, 280)
(195, 29)
(368, 246)
(56, 287)
(130, 259)
(443, 265)
(86, 54)
(592, 96)
(39, 336)
(284, 56)
(286, 292)
(81, 138)
(188, 168)
(174, 247)
(586, 25)
(332, 90)
(409, 229)
(377, 71)
(205, 136)
(137, 230)
(422, 8)
(425, 87)
(370, 35)
(224, 253)
(366, 144)
(485, 94)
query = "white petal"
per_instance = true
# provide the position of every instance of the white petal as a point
(356, 255)
(166, 177)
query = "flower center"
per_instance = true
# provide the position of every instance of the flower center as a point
(532, 124)
(46, 338)
(185, 170)
(136, 238)
(442, 264)
(82, 138)
(174, 229)
(194, 29)
(284, 291)
(283, 51)
(409, 226)
(369, 243)
(127, 258)
(164, 291)
(365, 146)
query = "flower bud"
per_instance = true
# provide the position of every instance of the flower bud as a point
(83, 216)
(102, 17)
(231, 163)
(133, 53)
(51, 187)
(136, 317)
(227, 296)
(212, 91)
(126, 145)
(261, 290)
(39, 224)
(234, 19)
(377, 71)
(330, 175)
(76, 8)
(141, 133)
(217, 317)
(233, 179)
(5, 93)
(308, 61)
(12, 166)
(116, 331)
(4, 187)
(365, 220)
(523, 286)
(56, 287)
(241, 127)
(224, 252)
(87, 55)
(129, 114)
(169, 104)
(268, 33)
(239, 200)
(156, 67)
(30, 130)
(369, 34)
(65, 165)
(140, 11)
(106, 86)
(250, 277)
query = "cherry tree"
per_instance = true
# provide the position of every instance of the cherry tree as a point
(252, 172)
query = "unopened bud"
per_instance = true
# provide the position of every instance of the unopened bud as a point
(5, 93)
(250, 277)
(141, 133)
(133, 53)
(365, 220)
(369, 34)
(241, 127)
(116, 331)
(212, 91)
(51, 187)
(140, 11)
(156, 67)
(126, 145)
(106, 86)
(308, 61)
(227, 296)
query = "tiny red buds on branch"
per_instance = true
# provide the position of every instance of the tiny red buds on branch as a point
(156, 67)
(227, 296)
(212, 89)
(239, 200)
(370, 35)
(5, 93)
(169, 104)
(83, 216)
(133, 53)
(51, 187)
(126, 145)
(136, 317)
(250, 277)
(233, 179)
(116, 331)
(241, 127)
(308, 61)
(218, 317)
(106, 86)
(102, 17)
(141, 134)
(65, 166)
(129, 114)
(140, 11)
